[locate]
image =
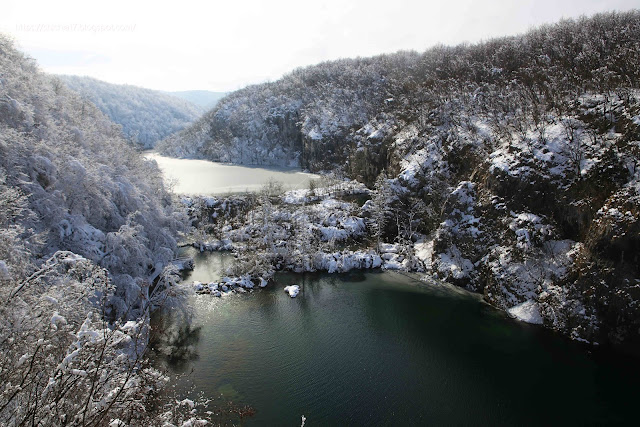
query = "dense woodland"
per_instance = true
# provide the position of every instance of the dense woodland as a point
(87, 235)
(146, 115)
(514, 161)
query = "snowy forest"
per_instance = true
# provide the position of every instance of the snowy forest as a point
(511, 165)
(146, 116)
(87, 235)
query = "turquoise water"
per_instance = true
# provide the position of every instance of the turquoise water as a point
(385, 349)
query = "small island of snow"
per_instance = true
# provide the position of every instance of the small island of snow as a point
(292, 290)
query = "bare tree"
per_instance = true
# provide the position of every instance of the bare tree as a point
(573, 149)
(381, 207)
(63, 362)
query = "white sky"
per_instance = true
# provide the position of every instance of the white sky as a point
(225, 45)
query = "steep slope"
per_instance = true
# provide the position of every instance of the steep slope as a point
(146, 115)
(87, 233)
(514, 160)
(84, 188)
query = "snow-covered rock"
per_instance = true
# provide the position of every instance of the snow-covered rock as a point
(292, 290)
(453, 264)
(527, 311)
(424, 252)
(388, 248)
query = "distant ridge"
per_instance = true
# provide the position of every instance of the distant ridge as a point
(203, 98)
(146, 115)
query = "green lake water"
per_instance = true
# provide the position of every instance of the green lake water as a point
(380, 348)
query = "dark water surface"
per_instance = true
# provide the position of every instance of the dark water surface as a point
(385, 349)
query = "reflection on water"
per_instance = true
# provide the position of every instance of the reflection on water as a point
(208, 266)
(380, 348)
(174, 339)
(202, 177)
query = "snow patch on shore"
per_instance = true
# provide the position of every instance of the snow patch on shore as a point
(528, 311)
(424, 252)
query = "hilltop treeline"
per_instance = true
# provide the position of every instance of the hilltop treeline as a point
(345, 113)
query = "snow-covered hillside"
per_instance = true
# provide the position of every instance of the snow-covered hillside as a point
(147, 116)
(513, 163)
(87, 236)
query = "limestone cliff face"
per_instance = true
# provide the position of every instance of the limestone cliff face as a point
(521, 225)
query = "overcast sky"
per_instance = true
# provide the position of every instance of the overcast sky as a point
(225, 45)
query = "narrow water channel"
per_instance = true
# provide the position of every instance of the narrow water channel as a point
(384, 349)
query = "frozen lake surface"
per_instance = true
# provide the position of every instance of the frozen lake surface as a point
(202, 177)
